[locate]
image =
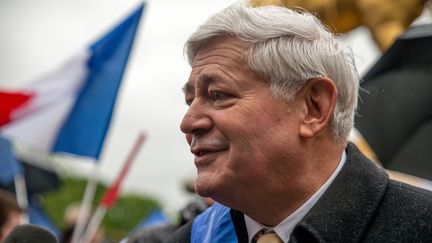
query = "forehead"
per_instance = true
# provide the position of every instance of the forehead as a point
(218, 58)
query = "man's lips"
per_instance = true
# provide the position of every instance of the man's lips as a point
(206, 150)
(201, 151)
(206, 157)
(202, 146)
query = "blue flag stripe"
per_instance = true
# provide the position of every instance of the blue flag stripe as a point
(84, 131)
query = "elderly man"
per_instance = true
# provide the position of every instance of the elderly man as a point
(272, 96)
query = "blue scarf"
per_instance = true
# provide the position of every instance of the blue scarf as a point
(214, 226)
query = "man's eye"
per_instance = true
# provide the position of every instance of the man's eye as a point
(189, 102)
(217, 95)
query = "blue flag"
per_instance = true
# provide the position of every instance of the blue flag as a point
(156, 217)
(91, 115)
(9, 166)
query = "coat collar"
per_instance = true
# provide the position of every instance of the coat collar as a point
(343, 213)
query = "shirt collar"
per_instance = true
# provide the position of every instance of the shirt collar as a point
(285, 228)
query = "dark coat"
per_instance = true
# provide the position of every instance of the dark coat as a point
(361, 205)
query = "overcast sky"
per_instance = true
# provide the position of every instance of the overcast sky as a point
(38, 36)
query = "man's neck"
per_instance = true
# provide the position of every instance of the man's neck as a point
(285, 227)
(280, 202)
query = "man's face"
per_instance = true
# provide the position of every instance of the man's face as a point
(242, 138)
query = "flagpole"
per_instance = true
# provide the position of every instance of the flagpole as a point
(94, 224)
(111, 194)
(85, 206)
(21, 195)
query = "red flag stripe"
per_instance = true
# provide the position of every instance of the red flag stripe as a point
(9, 102)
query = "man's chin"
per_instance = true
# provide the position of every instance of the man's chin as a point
(205, 187)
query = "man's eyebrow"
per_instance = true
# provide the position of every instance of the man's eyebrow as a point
(203, 80)
(208, 78)
(187, 88)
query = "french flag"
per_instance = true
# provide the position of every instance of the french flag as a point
(70, 109)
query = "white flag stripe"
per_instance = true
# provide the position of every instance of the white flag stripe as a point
(54, 97)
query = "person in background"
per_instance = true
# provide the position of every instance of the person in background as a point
(10, 213)
(272, 96)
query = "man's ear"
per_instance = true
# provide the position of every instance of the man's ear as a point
(319, 98)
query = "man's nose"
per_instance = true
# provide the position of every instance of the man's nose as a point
(196, 119)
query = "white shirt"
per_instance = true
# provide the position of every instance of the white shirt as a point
(285, 228)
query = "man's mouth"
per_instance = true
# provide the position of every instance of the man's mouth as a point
(204, 155)
(206, 150)
(201, 152)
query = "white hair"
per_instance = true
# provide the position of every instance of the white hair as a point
(287, 48)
